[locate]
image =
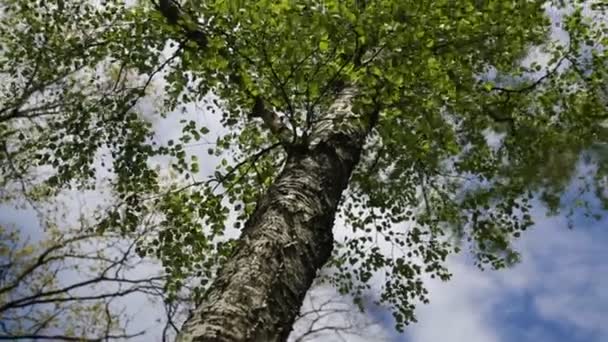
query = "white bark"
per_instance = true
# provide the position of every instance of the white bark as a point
(259, 291)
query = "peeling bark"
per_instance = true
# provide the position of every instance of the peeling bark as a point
(259, 291)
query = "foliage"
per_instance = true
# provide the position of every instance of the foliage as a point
(469, 131)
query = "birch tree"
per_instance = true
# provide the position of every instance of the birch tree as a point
(427, 128)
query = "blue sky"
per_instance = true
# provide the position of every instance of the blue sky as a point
(557, 293)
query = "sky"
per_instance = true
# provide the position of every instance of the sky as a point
(557, 293)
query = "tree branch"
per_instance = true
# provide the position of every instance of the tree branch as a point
(69, 338)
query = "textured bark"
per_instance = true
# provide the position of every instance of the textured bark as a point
(259, 291)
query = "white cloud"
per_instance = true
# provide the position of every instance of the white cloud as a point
(561, 282)
(459, 309)
(335, 318)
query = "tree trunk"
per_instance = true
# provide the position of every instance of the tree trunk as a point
(259, 291)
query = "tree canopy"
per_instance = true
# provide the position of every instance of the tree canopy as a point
(475, 110)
